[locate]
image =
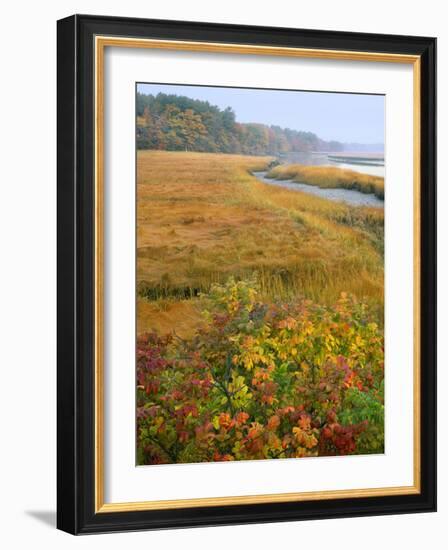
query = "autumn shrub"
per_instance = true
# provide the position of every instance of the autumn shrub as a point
(262, 381)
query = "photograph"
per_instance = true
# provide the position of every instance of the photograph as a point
(246, 264)
(259, 273)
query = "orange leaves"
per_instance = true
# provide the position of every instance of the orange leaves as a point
(305, 436)
(224, 420)
(286, 410)
(254, 431)
(267, 391)
(290, 323)
(241, 418)
(254, 440)
(273, 422)
(217, 457)
(304, 439)
(261, 375)
(304, 422)
(349, 378)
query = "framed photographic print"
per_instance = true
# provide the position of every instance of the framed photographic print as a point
(246, 274)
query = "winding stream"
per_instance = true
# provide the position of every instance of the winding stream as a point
(349, 196)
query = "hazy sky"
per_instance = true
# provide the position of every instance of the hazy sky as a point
(342, 117)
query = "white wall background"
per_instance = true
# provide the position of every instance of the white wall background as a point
(27, 273)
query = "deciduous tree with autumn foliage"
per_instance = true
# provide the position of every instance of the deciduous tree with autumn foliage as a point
(176, 123)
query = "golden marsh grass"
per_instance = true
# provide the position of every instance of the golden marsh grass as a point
(203, 217)
(329, 177)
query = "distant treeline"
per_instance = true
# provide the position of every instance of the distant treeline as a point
(178, 123)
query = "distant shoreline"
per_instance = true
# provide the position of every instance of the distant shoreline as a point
(371, 159)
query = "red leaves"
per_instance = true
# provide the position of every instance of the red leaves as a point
(152, 387)
(341, 440)
(188, 409)
(177, 395)
(327, 433)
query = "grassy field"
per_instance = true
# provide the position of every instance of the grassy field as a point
(203, 217)
(330, 177)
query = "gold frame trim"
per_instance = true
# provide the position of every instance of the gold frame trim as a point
(101, 42)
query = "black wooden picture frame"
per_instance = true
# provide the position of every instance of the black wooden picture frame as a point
(77, 511)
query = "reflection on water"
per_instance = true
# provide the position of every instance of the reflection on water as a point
(366, 163)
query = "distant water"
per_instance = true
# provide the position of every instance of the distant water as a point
(366, 163)
(349, 196)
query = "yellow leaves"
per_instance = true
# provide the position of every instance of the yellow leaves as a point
(253, 354)
(304, 439)
(240, 391)
(330, 341)
(300, 452)
(309, 329)
(233, 306)
(305, 367)
(248, 361)
(304, 434)
(237, 384)
(158, 423)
